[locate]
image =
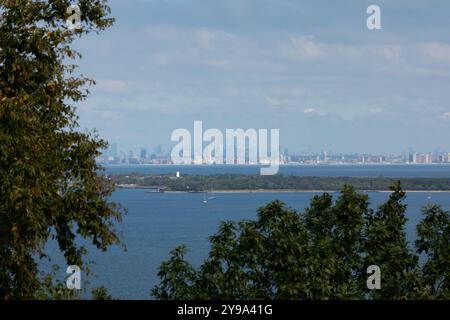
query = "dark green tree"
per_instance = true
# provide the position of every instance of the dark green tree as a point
(386, 247)
(49, 181)
(321, 253)
(336, 243)
(101, 293)
(434, 243)
(177, 277)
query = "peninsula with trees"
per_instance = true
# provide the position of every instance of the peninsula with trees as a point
(275, 183)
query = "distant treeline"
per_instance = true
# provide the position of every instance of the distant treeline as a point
(198, 183)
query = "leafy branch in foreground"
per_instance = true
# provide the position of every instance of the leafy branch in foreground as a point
(49, 185)
(320, 253)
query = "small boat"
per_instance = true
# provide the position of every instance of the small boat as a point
(210, 197)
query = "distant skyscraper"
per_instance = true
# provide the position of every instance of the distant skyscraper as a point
(286, 154)
(113, 150)
(158, 149)
(404, 156)
(143, 153)
(437, 152)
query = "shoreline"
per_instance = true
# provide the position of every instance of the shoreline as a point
(277, 190)
(321, 191)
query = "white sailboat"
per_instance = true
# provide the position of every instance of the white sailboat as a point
(207, 197)
(211, 194)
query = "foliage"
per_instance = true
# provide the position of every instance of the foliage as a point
(52, 289)
(49, 181)
(434, 242)
(197, 183)
(320, 253)
(101, 293)
(177, 276)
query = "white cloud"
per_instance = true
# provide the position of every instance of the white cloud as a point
(389, 52)
(161, 59)
(276, 102)
(310, 110)
(437, 51)
(210, 39)
(304, 48)
(301, 48)
(111, 84)
(376, 110)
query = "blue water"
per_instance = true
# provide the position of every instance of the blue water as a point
(157, 222)
(395, 171)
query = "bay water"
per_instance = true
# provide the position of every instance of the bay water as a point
(157, 222)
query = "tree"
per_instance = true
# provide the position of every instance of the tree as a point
(321, 253)
(49, 181)
(434, 242)
(177, 277)
(386, 247)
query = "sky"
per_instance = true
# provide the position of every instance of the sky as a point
(309, 68)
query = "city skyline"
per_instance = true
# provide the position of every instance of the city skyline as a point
(161, 155)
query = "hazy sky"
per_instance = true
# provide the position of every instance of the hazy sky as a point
(310, 68)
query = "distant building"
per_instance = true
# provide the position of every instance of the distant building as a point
(423, 158)
(134, 160)
(286, 155)
(113, 152)
(143, 154)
